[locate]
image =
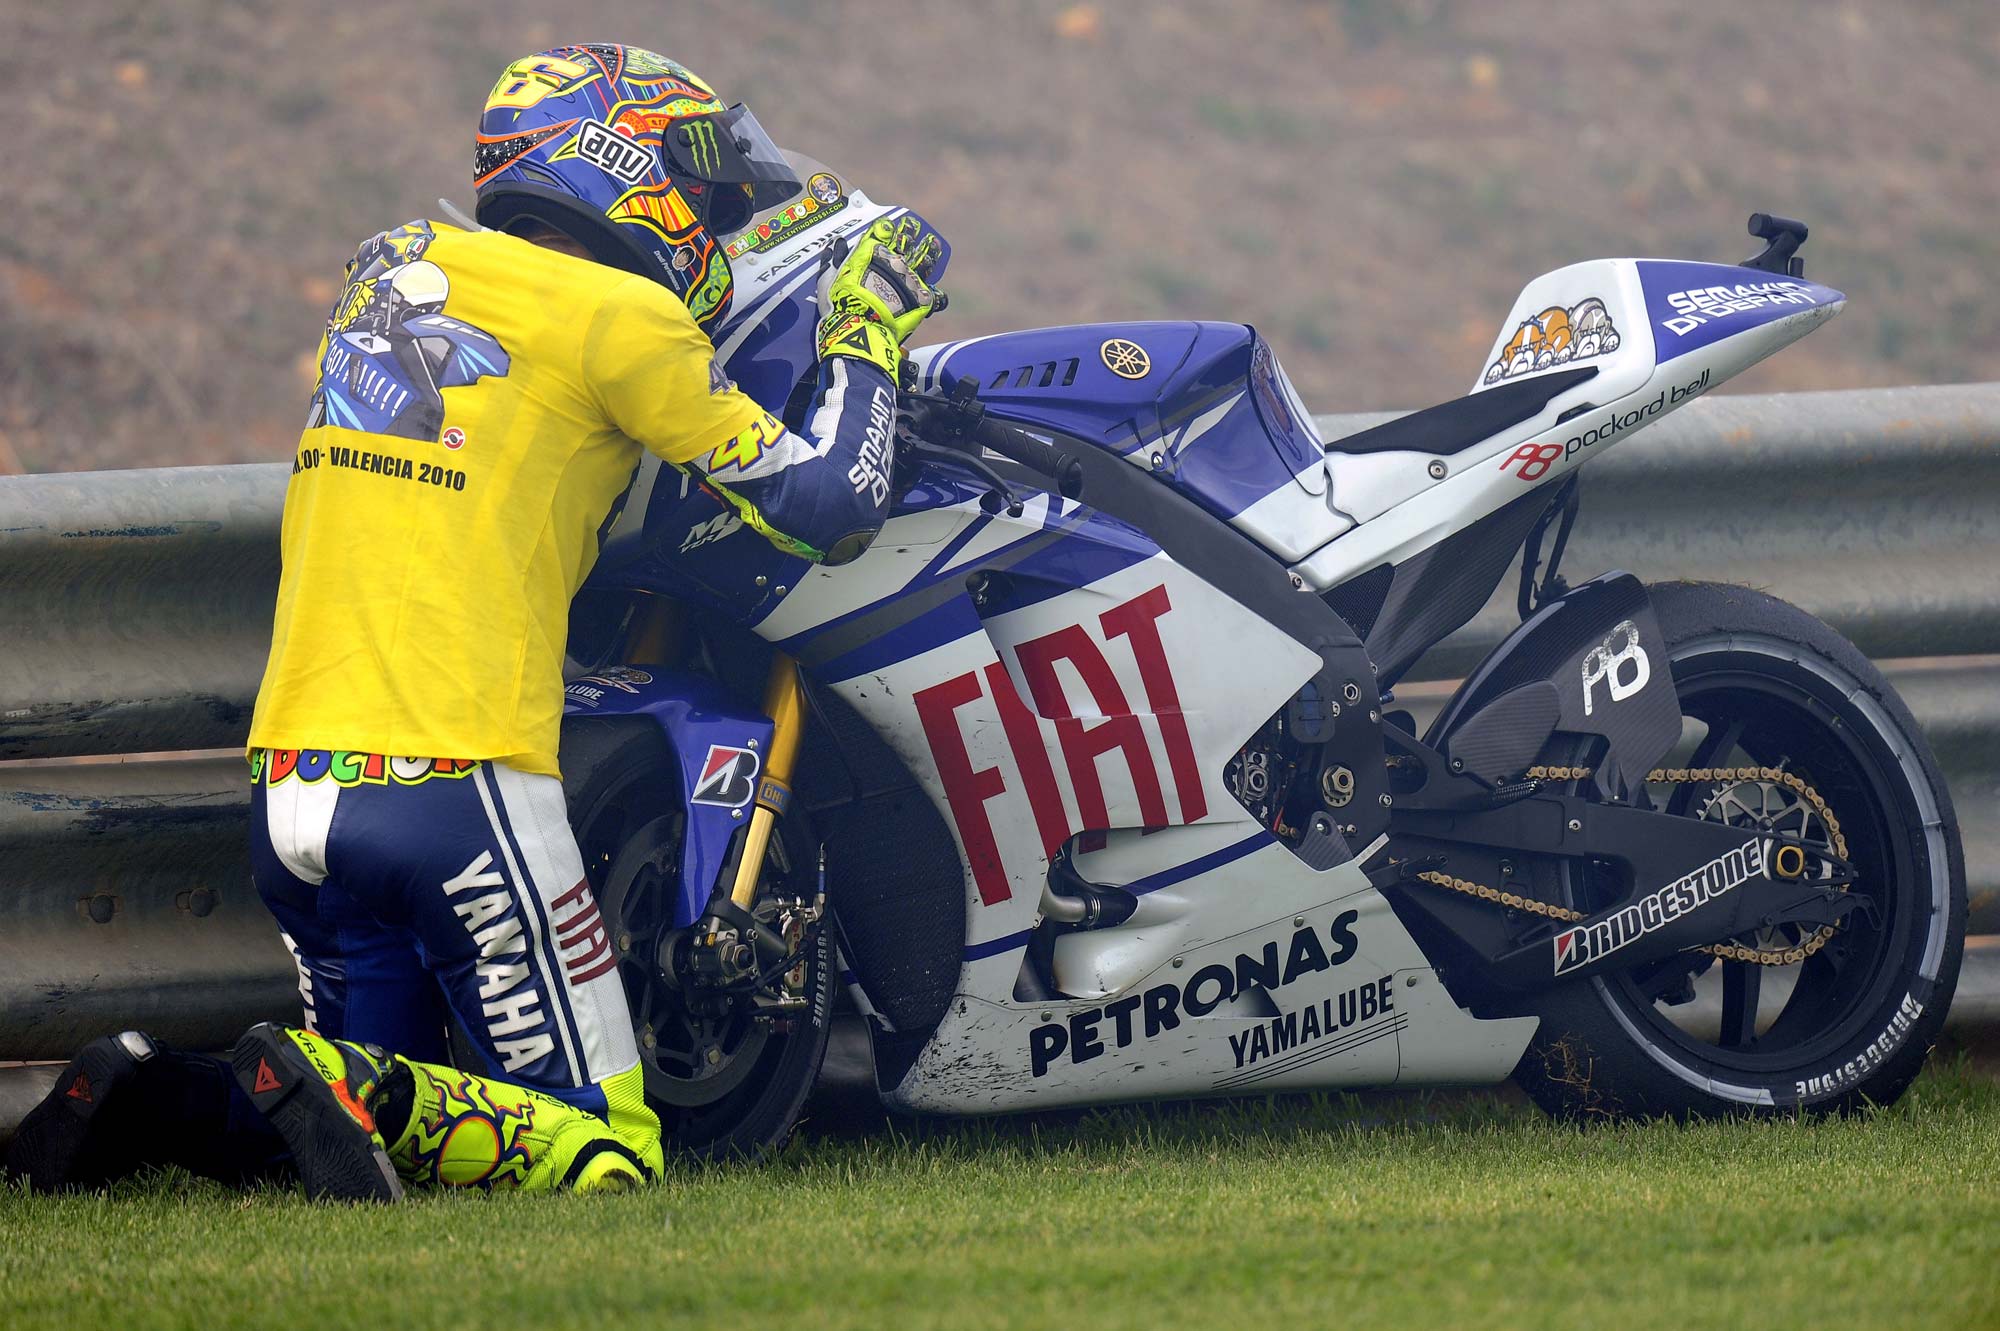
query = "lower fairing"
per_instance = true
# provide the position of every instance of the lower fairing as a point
(1326, 989)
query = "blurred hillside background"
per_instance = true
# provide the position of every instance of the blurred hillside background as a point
(1369, 182)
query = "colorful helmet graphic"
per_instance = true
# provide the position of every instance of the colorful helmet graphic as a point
(635, 158)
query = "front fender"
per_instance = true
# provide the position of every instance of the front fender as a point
(1591, 662)
(718, 743)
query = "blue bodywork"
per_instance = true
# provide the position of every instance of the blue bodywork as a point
(694, 713)
(1694, 304)
(1209, 416)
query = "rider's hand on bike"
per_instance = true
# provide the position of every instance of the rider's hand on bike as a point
(872, 299)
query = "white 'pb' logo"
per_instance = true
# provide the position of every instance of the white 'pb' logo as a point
(1600, 662)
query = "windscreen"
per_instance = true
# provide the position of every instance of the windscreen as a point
(731, 149)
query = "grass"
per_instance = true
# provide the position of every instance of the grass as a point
(1395, 1211)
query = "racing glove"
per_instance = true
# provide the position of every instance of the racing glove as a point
(821, 492)
(874, 297)
(824, 493)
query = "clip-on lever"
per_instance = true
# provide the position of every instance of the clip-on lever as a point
(959, 415)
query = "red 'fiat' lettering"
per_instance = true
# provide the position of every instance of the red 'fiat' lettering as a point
(1024, 737)
(965, 790)
(1112, 726)
(1082, 745)
(1138, 620)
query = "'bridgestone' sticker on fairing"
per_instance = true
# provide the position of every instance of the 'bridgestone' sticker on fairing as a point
(1589, 942)
(728, 777)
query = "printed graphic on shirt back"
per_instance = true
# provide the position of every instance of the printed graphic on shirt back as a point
(390, 348)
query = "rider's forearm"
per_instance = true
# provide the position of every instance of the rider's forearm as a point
(823, 493)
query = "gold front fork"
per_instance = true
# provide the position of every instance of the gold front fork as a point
(785, 704)
(652, 631)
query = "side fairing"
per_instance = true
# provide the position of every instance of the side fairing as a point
(1254, 974)
(1045, 675)
(1053, 678)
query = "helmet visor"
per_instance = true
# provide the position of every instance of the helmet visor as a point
(731, 149)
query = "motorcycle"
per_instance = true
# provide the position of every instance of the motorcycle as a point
(1086, 782)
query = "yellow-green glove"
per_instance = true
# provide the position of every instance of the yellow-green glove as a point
(877, 295)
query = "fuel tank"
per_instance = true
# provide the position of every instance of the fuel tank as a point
(1205, 407)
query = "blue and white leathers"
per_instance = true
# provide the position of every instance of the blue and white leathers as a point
(406, 887)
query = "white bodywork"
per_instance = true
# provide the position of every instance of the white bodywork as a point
(982, 1057)
(1401, 509)
(1243, 969)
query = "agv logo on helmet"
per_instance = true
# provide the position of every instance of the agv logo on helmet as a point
(614, 154)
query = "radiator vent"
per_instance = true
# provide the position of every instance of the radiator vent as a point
(1043, 375)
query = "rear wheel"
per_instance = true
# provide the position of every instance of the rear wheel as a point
(727, 1084)
(1788, 728)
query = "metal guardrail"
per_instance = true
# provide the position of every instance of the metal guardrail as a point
(135, 612)
(135, 607)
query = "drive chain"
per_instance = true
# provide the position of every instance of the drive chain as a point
(1787, 956)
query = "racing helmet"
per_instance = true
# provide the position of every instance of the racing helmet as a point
(635, 158)
(418, 287)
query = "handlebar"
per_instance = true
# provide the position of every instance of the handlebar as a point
(1011, 441)
(961, 418)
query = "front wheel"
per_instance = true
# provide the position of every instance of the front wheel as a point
(1788, 727)
(724, 1085)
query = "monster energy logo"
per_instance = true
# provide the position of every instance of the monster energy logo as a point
(700, 138)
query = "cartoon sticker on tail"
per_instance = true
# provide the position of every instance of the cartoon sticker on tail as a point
(1556, 336)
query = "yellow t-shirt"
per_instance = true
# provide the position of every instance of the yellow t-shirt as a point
(482, 404)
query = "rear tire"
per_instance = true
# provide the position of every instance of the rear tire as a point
(1855, 1023)
(626, 809)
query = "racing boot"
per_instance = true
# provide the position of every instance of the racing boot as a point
(467, 1131)
(322, 1096)
(87, 1130)
(127, 1101)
